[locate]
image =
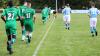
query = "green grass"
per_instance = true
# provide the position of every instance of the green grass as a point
(59, 41)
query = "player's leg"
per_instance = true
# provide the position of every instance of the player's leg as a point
(23, 30)
(91, 27)
(9, 41)
(44, 20)
(30, 30)
(13, 32)
(94, 27)
(65, 22)
(68, 22)
(23, 33)
(27, 33)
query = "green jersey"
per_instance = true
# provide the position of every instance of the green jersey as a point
(11, 14)
(45, 12)
(28, 14)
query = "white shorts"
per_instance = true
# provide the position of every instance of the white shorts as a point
(93, 22)
(66, 18)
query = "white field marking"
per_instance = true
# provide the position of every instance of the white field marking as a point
(39, 45)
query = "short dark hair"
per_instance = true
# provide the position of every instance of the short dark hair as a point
(45, 5)
(92, 4)
(10, 3)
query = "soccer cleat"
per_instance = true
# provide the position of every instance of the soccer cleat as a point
(96, 33)
(92, 35)
(10, 52)
(68, 28)
(9, 47)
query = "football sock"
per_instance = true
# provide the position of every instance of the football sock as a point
(94, 28)
(68, 26)
(92, 31)
(23, 34)
(13, 38)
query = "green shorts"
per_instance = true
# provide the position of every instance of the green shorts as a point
(29, 26)
(10, 28)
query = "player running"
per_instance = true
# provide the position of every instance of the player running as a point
(45, 14)
(93, 12)
(9, 15)
(66, 12)
(22, 10)
(29, 21)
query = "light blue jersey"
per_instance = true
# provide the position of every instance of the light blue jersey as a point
(66, 11)
(93, 12)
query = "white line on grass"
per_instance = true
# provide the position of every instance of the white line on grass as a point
(39, 45)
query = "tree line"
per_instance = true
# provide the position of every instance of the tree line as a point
(75, 4)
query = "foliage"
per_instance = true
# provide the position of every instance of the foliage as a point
(75, 4)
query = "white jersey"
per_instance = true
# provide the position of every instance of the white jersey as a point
(66, 11)
(93, 12)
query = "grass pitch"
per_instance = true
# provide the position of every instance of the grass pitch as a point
(58, 41)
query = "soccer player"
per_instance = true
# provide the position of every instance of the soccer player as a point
(9, 16)
(93, 12)
(22, 9)
(66, 12)
(29, 21)
(45, 14)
